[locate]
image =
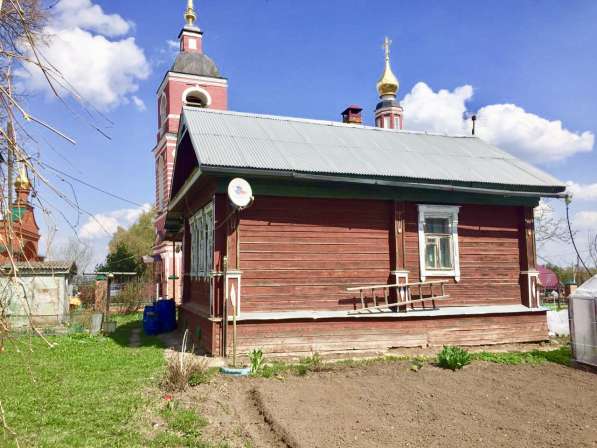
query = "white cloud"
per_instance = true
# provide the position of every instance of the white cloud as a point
(103, 225)
(586, 220)
(173, 44)
(83, 14)
(104, 72)
(505, 125)
(586, 192)
(139, 103)
(426, 110)
(530, 136)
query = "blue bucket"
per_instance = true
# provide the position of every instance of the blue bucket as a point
(166, 310)
(151, 321)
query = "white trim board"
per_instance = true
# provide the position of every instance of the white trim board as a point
(439, 211)
(448, 311)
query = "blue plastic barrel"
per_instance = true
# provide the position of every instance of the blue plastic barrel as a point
(167, 315)
(151, 321)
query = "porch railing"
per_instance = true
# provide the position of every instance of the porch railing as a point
(407, 294)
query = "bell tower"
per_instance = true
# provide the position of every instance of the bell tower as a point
(389, 112)
(193, 80)
(21, 234)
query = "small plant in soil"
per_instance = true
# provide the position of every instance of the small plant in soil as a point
(312, 363)
(256, 359)
(184, 368)
(453, 358)
(417, 363)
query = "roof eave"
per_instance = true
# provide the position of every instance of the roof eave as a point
(557, 191)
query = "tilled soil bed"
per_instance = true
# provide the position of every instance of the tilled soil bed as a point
(389, 405)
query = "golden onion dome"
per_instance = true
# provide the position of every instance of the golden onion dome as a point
(22, 181)
(388, 83)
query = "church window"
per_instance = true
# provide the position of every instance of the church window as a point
(397, 122)
(201, 227)
(386, 122)
(160, 183)
(163, 108)
(196, 97)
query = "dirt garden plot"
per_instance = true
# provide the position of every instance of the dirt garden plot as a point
(389, 405)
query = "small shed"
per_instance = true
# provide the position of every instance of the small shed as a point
(40, 294)
(583, 323)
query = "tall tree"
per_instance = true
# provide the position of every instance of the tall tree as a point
(122, 260)
(75, 250)
(138, 238)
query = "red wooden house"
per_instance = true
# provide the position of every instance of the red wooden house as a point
(340, 206)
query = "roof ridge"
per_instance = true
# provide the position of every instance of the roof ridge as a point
(322, 122)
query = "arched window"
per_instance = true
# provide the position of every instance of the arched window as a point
(160, 183)
(196, 97)
(163, 108)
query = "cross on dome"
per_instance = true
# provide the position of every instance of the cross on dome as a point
(190, 15)
(388, 84)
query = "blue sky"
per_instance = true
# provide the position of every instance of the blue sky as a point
(311, 59)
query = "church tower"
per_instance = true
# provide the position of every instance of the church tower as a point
(388, 113)
(21, 234)
(193, 80)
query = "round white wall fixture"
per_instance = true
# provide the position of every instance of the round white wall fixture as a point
(240, 192)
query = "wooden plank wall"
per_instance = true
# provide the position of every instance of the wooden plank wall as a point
(299, 253)
(302, 337)
(302, 253)
(489, 239)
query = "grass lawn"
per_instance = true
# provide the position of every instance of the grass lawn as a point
(89, 392)
(99, 392)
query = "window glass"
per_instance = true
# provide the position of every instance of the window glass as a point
(201, 227)
(438, 249)
(437, 225)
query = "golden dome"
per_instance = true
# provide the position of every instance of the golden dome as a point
(22, 181)
(388, 83)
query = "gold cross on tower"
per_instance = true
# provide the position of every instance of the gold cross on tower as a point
(189, 14)
(386, 46)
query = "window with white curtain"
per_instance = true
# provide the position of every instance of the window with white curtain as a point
(201, 227)
(438, 241)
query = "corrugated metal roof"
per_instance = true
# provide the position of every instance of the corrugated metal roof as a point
(241, 140)
(50, 267)
(548, 278)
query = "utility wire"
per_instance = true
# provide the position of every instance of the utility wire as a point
(568, 200)
(93, 187)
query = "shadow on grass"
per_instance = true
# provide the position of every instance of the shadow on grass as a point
(126, 323)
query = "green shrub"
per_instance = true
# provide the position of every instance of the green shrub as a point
(256, 358)
(453, 358)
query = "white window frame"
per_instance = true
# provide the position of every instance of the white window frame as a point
(387, 122)
(202, 242)
(163, 108)
(198, 91)
(439, 211)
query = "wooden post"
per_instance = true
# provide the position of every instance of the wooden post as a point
(107, 312)
(528, 264)
(173, 270)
